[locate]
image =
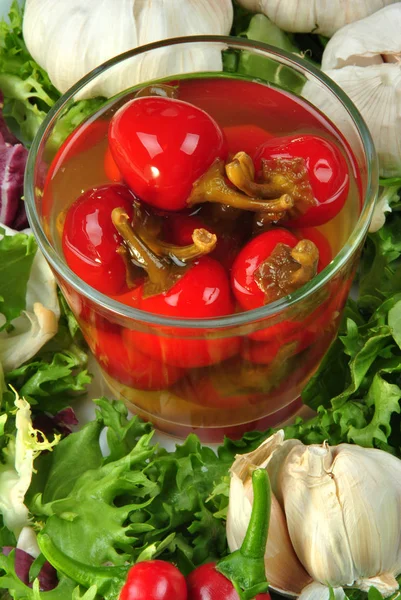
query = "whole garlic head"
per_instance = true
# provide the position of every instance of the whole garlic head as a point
(69, 38)
(341, 509)
(364, 59)
(318, 16)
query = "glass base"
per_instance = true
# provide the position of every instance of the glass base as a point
(198, 418)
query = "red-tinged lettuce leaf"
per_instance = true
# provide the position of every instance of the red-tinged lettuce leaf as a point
(62, 422)
(12, 168)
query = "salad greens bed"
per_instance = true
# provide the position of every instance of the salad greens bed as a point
(95, 513)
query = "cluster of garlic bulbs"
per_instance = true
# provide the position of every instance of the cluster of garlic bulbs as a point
(318, 16)
(335, 517)
(69, 38)
(364, 59)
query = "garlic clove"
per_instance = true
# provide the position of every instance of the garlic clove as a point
(99, 30)
(271, 453)
(317, 16)
(386, 584)
(314, 516)
(317, 591)
(372, 40)
(383, 205)
(372, 524)
(283, 570)
(376, 92)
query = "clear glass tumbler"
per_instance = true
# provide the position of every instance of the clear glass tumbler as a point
(240, 372)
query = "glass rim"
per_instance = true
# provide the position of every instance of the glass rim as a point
(236, 319)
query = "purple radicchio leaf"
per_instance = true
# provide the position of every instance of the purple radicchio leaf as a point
(23, 562)
(5, 133)
(12, 167)
(21, 221)
(62, 422)
(47, 577)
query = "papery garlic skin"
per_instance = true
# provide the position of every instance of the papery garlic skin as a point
(341, 507)
(317, 16)
(69, 38)
(364, 60)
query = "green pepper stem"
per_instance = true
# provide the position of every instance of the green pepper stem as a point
(245, 567)
(109, 580)
(212, 187)
(203, 242)
(162, 272)
(255, 540)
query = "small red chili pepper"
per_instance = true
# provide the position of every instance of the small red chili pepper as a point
(245, 138)
(270, 266)
(327, 174)
(127, 364)
(217, 388)
(162, 146)
(90, 240)
(179, 228)
(173, 288)
(240, 575)
(154, 580)
(243, 275)
(110, 168)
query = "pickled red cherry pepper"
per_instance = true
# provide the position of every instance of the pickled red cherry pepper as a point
(129, 365)
(199, 290)
(161, 146)
(90, 241)
(270, 266)
(327, 180)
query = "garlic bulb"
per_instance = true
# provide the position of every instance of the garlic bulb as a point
(364, 60)
(318, 16)
(69, 38)
(340, 508)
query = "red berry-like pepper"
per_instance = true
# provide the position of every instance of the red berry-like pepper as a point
(203, 292)
(91, 242)
(247, 291)
(127, 364)
(110, 168)
(326, 173)
(162, 146)
(154, 580)
(270, 266)
(245, 138)
(173, 288)
(240, 575)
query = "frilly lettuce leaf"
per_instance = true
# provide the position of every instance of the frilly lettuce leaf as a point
(17, 467)
(28, 92)
(357, 389)
(66, 589)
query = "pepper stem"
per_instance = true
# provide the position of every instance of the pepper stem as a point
(162, 272)
(204, 242)
(109, 580)
(287, 269)
(245, 568)
(212, 187)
